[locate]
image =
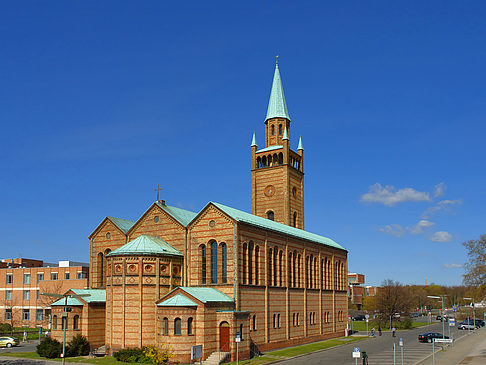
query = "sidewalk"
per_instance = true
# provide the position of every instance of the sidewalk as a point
(470, 350)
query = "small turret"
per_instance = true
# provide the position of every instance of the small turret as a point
(253, 152)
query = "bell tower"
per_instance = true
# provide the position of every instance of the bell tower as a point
(277, 172)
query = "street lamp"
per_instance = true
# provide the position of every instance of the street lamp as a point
(441, 297)
(474, 314)
(64, 320)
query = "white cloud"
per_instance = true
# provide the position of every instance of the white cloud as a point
(389, 196)
(452, 266)
(393, 229)
(439, 189)
(441, 206)
(421, 226)
(441, 236)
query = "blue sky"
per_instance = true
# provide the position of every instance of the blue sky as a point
(99, 102)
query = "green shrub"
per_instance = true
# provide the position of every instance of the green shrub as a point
(49, 348)
(5, 328)
(133, 355)
(79, 346)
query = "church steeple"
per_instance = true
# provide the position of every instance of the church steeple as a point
(277, 107)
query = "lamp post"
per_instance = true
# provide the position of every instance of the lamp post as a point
(64, 319)
(441, 297)
(474, 314)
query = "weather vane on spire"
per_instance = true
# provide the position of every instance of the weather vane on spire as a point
(276, 60)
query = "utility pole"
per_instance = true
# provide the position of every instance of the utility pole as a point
(474, 314)
(441, 297)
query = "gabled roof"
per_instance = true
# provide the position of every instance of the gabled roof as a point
(244, 217)
(277, 107)
(146, 245)
(95, 296)
(177, 300)
(202, 294)
(123, 224)
(183, 216)
(270, 148)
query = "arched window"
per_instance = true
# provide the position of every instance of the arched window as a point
(224, 263)
(297, 319)
(270, 252)
(203, 264)
(54, 322)
(294, 273)
(259, 162)
(280, 158)
(177, 327)
(270, 215)
(275, 159)
(245, 266)
(280, 129)
(280, 269)
(101, 267)
(64, 323)
(264, 161)
(278, 320)
(257, 254)
(289, 273)
(214, 262)
(299, 282)
(273, 130)
(76, 322)
(241, 331)
(275, 273)
(269, 160)
(295, 220)
(307, 272)
(253, 324)
(166, 326)
(274, 320)
(250, 263)
(189, 326)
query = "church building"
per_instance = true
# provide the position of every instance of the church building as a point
(185, 278)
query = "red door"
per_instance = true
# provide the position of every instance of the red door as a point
(224, 337)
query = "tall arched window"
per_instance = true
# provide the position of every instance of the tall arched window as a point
(273, 130)
(254, 322)
(280, 158)
(299, 282)
(280, 129)
(76, 322)
(54, 322)
(177, 326)
(64, 323)
(241, 332)
(166, 326)
(257, 257)
(294, 273)
(280, 270)
(259, 162)
(264, 161)
(224, 263)
(203, 264)
(245, 265)
(295, 220)
(278, 320)
(271, 215)
(250, 263)
(307, 272)
(101, 267)
(189, 326)
(269, 263)
(275, 273)
(274, 320)
(297, 319)
(214, 262)
(289, 273)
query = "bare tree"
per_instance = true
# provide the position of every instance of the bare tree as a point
(392, 299)
(476, 266)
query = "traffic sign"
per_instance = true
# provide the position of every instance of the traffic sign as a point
(452, 322)
(238, 337)
(443, 340)
(356, 349)
(367, 316)
(400, 343)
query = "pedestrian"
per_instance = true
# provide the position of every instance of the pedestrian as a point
(25, 336)
(373, 332)
(379, 331)
(393, 332)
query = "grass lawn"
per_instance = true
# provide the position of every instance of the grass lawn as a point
(361, 326)
(107, 360)
(298, 350)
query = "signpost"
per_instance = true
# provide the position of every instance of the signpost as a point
(400, 343)
(237, 340)
(452, 323)
(367, 317)
(196, 353)
(356, 355)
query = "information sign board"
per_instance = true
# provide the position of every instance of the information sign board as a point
(196, 352)
(442, 340)
(356, 354)
(452, 322)
(238, 337)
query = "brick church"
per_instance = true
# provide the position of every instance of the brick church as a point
(198, 278)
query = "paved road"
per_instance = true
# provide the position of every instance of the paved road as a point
(379, 349)
(28, 346)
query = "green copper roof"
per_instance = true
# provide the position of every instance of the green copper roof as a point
(285, 135)
(254, 220)
(271, 148)
(177, 300)
(70, 301)
(123, 224)
(146, 245)
(277, 107)
(253, 141)
(300, 144)
(183, 216)
(205, 294)
(95, 295)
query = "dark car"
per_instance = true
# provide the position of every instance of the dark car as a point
(429, 336)
(359, 317)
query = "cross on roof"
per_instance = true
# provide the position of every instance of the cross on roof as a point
(157, 190)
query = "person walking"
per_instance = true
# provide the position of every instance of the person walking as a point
(373, 332)
(25, 336)
(379, 331)
(394, 330)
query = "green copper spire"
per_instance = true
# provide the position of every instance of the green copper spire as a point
(300, 144)
(253, 141)
(277, 107)
(285, 135)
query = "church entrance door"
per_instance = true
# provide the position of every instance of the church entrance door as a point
(224, 337)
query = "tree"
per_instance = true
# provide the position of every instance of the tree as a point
(392, 298)
(476, 266)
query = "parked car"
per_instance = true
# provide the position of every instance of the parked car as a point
(8, 341)
(467, 325)
(478, 322)
(359, 317)
(429, 336)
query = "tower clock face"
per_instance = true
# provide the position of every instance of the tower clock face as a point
(269, 190)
